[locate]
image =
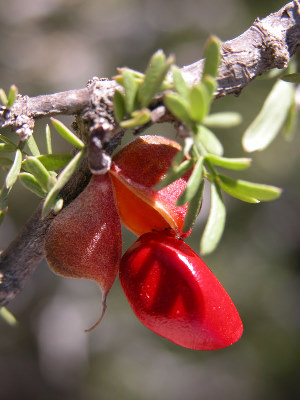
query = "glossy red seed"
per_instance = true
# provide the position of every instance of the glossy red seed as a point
(173, 293)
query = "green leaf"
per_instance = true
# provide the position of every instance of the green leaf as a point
(237, 164)
(62, 179)
(212, 56)
(33, 147)
(8, 317)
(180, 84)
(48, 140)
(155, 74)
(178, 106)
(3, 97)
(139, 117)
(222, 120)
(193, 208)
(193, 184)
(67, 134)
(209, 140)
(4, 192)
(7, 148)
(248, 191)
(270, 119)
(211, 85)
(290, 124)
(119, 106)
(131, 87)
(199, 102)
(53, 162)
(14, 170)
(174, 173)
(6, 140)
(292, 78)
(34, 166)
(216, 222)
(29, 181)
(12, 96)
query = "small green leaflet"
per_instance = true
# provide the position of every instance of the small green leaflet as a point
(33, 147)
(193, 184)
(7, 148)
(139, 117)
(119, 106)
(222, 120)
(67, 134)
(229, 163)
(209, 140)
(48, 140)
(154, 76)
(248, 191)
(30, 183)
(14, 171)
(180, 84)
(53, 162)
(292, 78)
(216, 222)
(199, 102)
(193, 208)
(3, 97)
(8, 317)
(174, 173)
(62, 179)
(131, 87)
(178, 106)
(212, 56)
(270, 119)
(12, 96)
(37, 169)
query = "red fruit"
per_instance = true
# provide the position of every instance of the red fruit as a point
(84, 240)
(135, 170)
(173, 293)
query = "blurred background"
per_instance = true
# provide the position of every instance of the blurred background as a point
(55, 45)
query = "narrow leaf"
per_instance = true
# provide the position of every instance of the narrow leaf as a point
(216, 222)
(139, 117)
(62, 179)
(48, 140)
(210, 84)
(7, 141)
(199, 102)
(270, 119)
(8, 317)
(29, 181)
(178, 106)
(223, 120)
(212, 56)
(209, 140)
(248, 191)
(53, 162)
(3, 97)
(14, 170)
(237, 164)
(7, 148)
(193, 208)
(155, 74)
(12, 95)
(33, 147)
(293, 78)
(290, 124)
(180, 84)
(131, 87)
(34, 166)
(193, 183)
(67, 134)
(174, 173)
(119, 106)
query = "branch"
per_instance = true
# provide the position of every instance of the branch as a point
(267, 44)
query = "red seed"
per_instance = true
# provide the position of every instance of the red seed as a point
(173, 293)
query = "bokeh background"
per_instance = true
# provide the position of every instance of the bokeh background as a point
(55, 45)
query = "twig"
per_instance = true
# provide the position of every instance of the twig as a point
(267, 44)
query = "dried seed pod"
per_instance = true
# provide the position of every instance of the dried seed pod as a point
(84, 240)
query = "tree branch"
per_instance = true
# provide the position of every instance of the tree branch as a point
(267, 44)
